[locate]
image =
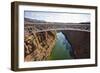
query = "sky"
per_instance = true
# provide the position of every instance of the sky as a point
(64, 17)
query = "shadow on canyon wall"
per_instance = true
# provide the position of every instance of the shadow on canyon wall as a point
(80, 42)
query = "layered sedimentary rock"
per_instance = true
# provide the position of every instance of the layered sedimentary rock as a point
(38, 45)
(40, 40)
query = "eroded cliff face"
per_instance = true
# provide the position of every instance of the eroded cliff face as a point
(41, 44)
(38, 45)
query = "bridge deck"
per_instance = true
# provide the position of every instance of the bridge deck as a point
(40, 27)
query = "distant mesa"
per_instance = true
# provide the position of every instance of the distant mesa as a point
(84, 23)
(28, 20)
(33, 20)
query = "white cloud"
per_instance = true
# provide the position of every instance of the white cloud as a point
(59, 17)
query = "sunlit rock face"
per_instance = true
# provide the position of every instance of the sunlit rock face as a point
(38, 46)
